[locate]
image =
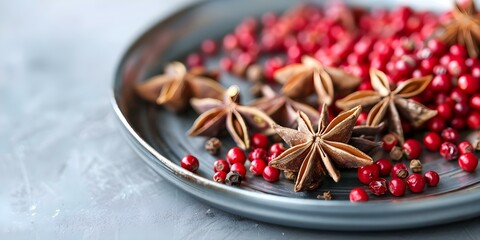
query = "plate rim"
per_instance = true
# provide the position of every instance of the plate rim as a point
(444, 202)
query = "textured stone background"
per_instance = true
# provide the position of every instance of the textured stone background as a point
(65, 170)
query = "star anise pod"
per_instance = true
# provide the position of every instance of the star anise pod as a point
(313, 154)
(303, 79)
(390, 104)
(217, 115)
(464, 28)
(363, 138)
(282, 109)
(176, 86)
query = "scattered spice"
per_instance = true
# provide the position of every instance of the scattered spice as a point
(396, 153)
(390, 104)
(313, 154)
(325, 196)
(416, 166)
(389, 141)
(399, 170)
(213, 145)
(233, 178)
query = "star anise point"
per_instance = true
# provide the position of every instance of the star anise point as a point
(313, 154)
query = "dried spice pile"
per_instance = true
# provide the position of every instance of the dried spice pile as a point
(335, 83)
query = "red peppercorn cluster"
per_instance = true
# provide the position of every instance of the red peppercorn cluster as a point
(391, 41)
(454, 90)
(236, 159)
(375, 175)
(446, 144)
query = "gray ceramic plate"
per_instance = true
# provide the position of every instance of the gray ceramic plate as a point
(159, 138)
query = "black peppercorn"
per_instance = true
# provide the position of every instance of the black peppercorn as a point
(213, 146)
(233, 178)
